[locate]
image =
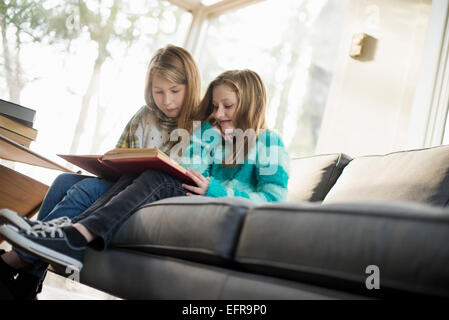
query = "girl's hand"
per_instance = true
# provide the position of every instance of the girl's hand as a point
(201, 182)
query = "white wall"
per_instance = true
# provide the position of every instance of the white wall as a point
(370, 102)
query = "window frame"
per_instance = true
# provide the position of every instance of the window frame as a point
(430, 110)
(431, 100)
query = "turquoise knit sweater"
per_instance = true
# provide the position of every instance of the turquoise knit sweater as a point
(262, 177)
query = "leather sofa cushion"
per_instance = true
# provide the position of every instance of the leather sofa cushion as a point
(162, 277)
(332, 245)
(202, 229)
(414, 175)
(311, 178)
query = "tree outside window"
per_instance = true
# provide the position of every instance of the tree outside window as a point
(292, 45)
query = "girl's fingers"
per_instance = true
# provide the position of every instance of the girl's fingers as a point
(199, 181)
(192, 188)
(194, 178)
(198, 175)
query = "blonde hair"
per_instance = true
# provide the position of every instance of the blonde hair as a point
(251, 106)
(176, 65)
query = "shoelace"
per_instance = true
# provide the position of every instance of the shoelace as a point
(58, 222)
(46, 231)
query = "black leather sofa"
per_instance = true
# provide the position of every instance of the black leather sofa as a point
(362, 228)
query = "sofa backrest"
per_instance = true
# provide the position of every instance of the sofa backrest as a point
(420, 175)
(311, 178)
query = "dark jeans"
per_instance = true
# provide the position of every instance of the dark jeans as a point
(107, 214)
(105, 217)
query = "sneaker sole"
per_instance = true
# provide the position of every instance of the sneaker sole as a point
(44, 253)
(10, 217)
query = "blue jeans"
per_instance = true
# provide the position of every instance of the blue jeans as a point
(69, 195)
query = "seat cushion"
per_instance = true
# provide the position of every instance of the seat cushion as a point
(311, 178)
(334, 245)
(414, 175)
(162, 277)
(197, 228)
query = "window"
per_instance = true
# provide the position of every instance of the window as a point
(291, 44)
(81, 92)
(446, 131)
(68, 69)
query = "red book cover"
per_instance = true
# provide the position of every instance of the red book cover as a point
(92, 164)
(120, 161)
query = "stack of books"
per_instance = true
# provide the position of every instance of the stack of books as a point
(16, 123)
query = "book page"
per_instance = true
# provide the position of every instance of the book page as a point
(118, 153)
(132, 153)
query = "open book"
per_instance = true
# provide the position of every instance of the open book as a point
(119, 161)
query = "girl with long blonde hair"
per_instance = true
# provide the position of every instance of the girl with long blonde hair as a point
(172, 94)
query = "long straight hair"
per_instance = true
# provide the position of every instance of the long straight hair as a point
(176, 65)
(251, 106)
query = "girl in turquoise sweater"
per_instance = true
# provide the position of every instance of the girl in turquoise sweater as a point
(232, 154)
(250, 162)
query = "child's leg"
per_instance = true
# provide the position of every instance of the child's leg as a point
(66, 246)
(54, 195)
(148, 187)
(57, 191)
(78, 198)
(75, 194)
